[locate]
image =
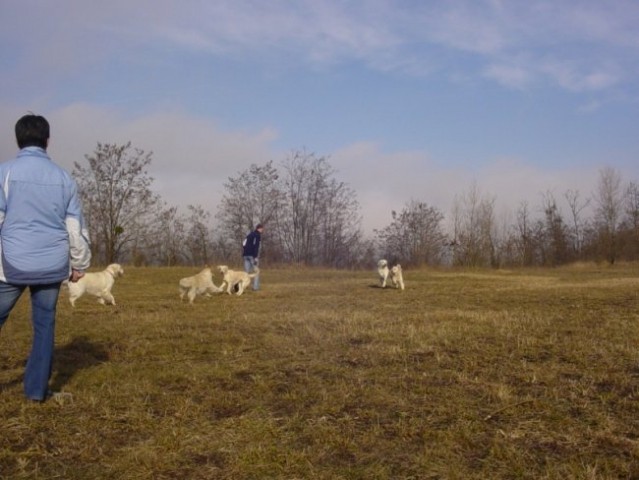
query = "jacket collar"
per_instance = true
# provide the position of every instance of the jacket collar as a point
(33, 151)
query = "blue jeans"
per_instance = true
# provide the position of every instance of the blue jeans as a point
(44, 299)
(249, 265)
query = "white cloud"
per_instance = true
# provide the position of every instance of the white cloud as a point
(512, 76)
(193, 157)
(387, 181)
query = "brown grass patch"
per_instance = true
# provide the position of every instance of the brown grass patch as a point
(323, 375)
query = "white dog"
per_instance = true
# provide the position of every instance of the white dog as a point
(98, 284)
(396, 276)
(233, 278)
(382, 270)
(199, 284)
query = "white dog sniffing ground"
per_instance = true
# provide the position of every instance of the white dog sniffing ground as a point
(199, 284)
(236, 278)
(98, 284)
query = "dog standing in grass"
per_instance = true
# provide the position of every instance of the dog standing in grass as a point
(98, 284)
(236, 279)
(199, 284)
(383, 271)
(396, 277)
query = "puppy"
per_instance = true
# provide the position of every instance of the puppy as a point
(396, 276)
(200, 284)
(382, 271)
(236, 279)
(98, 284)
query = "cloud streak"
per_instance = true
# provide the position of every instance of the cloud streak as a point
(511, 41)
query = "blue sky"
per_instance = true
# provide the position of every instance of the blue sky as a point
(407, 99)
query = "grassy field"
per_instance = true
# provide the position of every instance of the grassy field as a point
(322, 375)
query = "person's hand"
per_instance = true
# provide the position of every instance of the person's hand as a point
(75, 275)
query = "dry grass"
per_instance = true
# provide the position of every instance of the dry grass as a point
(322, 375)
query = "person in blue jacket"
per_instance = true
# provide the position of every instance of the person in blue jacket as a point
(42, 242)
(251, 251)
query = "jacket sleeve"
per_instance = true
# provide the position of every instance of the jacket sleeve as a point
(79, 245)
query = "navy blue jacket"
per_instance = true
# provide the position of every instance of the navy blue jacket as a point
(251, 244)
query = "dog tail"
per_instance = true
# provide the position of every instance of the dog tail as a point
(255, 273)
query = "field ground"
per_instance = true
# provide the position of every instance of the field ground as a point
(322, 375)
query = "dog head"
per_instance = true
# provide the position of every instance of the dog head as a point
(396, 270)
(382, 263)
(115, 269)
(223, 269)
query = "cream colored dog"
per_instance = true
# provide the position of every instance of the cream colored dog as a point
(382, 270)
(199, 284)
(239, 278)
(396, 276)
(98, 284)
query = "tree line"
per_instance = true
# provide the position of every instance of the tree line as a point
(314, 219)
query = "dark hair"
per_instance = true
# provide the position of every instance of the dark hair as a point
(32, 131)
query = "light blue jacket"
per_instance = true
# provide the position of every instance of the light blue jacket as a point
(42, 232)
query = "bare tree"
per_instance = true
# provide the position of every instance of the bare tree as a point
(250, 198)
(632, 206)
(474, 229)
(339, 229)
(118, 201)
(554, 236)
(198, 236)
(630, 224)
(576, 206)
(170, 238)
(526, 244)
(609, 200)
(318, 214)
(415, 235)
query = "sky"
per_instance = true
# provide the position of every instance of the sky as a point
(407, 99)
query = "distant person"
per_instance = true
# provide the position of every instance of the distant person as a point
(251, 251)
(42, 242)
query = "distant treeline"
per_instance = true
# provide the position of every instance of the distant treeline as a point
(312, 218)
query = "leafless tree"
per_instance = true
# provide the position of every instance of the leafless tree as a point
(339, 228)
(526, 244)
(250, 198)
(198, 238)
(118, 202)
(577, 206)
(554, 235)
(170, 238)
(474, 229)
(318, 214)
(609, 204)
(414, 236)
